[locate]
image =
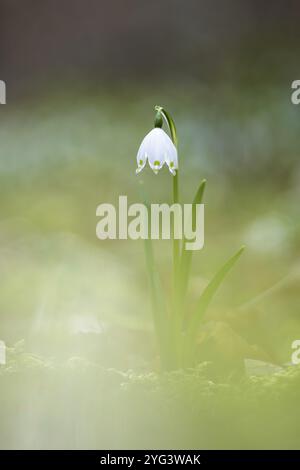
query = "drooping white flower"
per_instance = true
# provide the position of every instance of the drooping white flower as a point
(158, 149)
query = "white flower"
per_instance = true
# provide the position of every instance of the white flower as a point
(159, 149)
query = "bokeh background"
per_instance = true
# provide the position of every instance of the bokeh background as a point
(82, 80)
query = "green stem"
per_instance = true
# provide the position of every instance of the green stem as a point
(157, 306)
(176, 249)
(159, 313)
(173, 132)
(176, 326)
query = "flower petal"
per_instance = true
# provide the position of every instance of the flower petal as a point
(159, 149)
(155, 149)
(171, 155)
(141, 158)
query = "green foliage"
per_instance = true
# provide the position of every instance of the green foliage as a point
(186, 255)
(177, 335)
(203, 303)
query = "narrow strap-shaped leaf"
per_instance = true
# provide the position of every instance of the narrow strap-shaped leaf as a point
(204, 302)
(275, 288)
(186, 257)
(211, 289)
(157, 299)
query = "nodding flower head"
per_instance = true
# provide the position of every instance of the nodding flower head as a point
(158, 149)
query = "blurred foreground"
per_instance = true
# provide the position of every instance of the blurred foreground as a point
(79, 405)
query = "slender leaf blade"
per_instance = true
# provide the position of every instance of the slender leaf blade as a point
(210, 291)
(186, 257)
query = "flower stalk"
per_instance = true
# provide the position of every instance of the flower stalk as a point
(176, 332)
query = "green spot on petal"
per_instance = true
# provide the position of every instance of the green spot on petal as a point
(156, 163)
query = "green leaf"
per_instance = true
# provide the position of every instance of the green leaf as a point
(199, 196)
(212, 287)
(186, 256)
(158, 303)
(206, 298)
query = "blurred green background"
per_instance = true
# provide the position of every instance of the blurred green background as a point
(82, 80)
